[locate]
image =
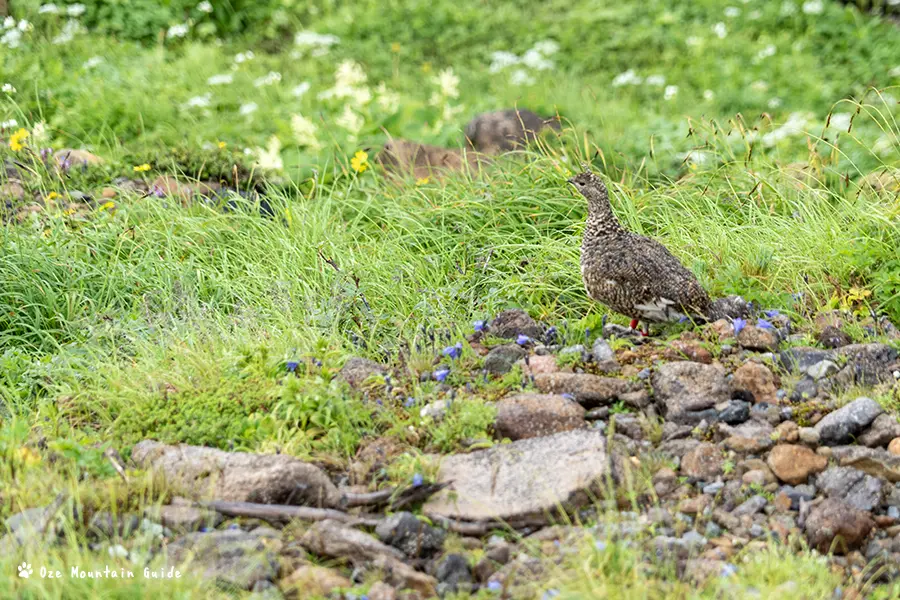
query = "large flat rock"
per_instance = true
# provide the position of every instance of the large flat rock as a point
(528, 478)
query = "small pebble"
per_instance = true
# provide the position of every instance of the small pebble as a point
(644, 374)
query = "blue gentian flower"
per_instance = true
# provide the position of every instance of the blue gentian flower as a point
(773, 313)
(453, 351)
(728, 570)
(292, 366)
(495, 586)
(600, 545)
(479, 325)
(798, 296)
(441, 374)
(418, 480)
(410, 402)
(568, 396)
(764, 324)
(739, 324)
(234, 526)
(551, 593)
(683, 319)
(522, 339)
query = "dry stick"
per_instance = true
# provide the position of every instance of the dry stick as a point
(394, 500)
(283, 512)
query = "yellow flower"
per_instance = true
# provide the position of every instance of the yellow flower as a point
(52, 196)
(142, 168)
(422, 181)
(222, 145)
(426, 67)
(28, 456)
(360, 161)
(107, 206)
(16, 139)
(395, 47)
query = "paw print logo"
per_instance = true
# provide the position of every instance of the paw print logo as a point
(25, 570)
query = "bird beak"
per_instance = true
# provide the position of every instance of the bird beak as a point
(571, 181)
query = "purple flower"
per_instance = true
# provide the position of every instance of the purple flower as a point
(234, 526)
(739, 324)
(453, 351)
(798, 296)
(441, 374)
(410, 402)
(683, 319)
(764, 324)
(495, 586)
(45, 154)
(479, 325)
(600, 545)
(772, 313)
(158, 191)
(292, 366)
(522, 339)
(728, 570)
(568, 396)
(418, 480)
(317, 362)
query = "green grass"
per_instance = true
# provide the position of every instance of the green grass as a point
(157, 318)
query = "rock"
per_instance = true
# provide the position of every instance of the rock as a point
(232, 558)
(801, 358)
(500, 360)
(848, 421)
(805, 389)
(539, 365)
(852, 486)
(688, 350)
(834, 525)
(751, 437)
(695, 505)
(756, 338)
(512, 323)
(12, 192)
(750, 506)
(237, 476)
(402, 576)
(104, 525)
(794, 464)
(822, 369)
(453, 574)
(410, 535)
(735, 412)
(528, 478)
(756, 380)
(728, 308)
(703, 462)
(404, 158)
(172, 188)
(867, 364)
(685, 387)
(69, 158)
(373, 455)
(33, 526)
(182, 518)
(381, 591)
(604, 356)
(638, 399)
(356, 370)
(882, 430)
(336, 540)
(809, 436)
(759, 477)
(435, 410)
(312, 581)
(832, 337)
(628, 425)
(589, 390)
(894, 446)
(874, 461)
(787, 432)
(523, 416)
(504, 130)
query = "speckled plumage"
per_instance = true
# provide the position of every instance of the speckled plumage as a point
(632, 274)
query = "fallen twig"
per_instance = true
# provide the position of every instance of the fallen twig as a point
(394, 498)
(284, 513)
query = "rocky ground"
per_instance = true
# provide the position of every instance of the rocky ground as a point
(697, 450)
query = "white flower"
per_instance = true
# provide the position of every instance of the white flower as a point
(720, 30)
(7, 88)
(9, 23)
(788, 8)
(732, 11)
(537, 61)
(766, 52)
(885, 144)
(697, 157)
(12, 38)
(349, 73)
(39, 133)
(774, 103)
(670, 92)
(448, 83)
(547, 47)
(349, 120)
(271, 78)
(895, 72)
(500, 60)
(628, 77)
(92, 62)
(657, 80)
(248, 109)
(48, 9)
(793, 126)
(311, 39)
(199, 101)
(25, 26)
(521, 77)
(243, 57)
(813, 7)
(69, 30)
(840, 121)
(221, 79)
(708, 95)
(305, 132)
(388, 100)
(205, 7)
(75, 10)
(300, 89)
(178, 31)
(9, 124)
(269, 158)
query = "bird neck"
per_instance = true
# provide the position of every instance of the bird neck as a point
(601, 219)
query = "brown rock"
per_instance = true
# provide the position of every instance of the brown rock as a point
(539, 365)
(336, 540)
(400, 575)
(757, 380)
(882, 430)
(750, 437)
(703, 462)
(535, 415)
(108, 193)
(832, 337)
(688, 350)
(310, 580)
(722, 328)
(686, 387)
(787, 432)
(590, 391)
(514, 322)
(76, 158)
(794, 464)
(381, 591)
(356, 370)
(752, 337)
(373, 455)
(894, 446)
(760, 477)
(170, 186)
(834, 525)
(695, 505)
(12, 191)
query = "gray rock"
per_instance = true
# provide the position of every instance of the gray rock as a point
(852, 486)
(181, 518)
(105, 525)
(604, 356)
(410, 535)
(806, 389)
(882, 430)
(877, 462)
(801, 358)
(834, 525)
(528, 478)
(597, 414)
(512, 323)
(501, 359)
(832, 337)
(840, 426)
(238, 476)
(867, 364)
(797, 493)
(588, 390)
(809, 436)
(231, 558)
(454, 575)
(751, 506)
(356, 370)
(336, 540)
(735, 412)
(688, 387)
(822, 369)
(713, 488)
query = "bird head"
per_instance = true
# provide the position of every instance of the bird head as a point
(591, 187)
